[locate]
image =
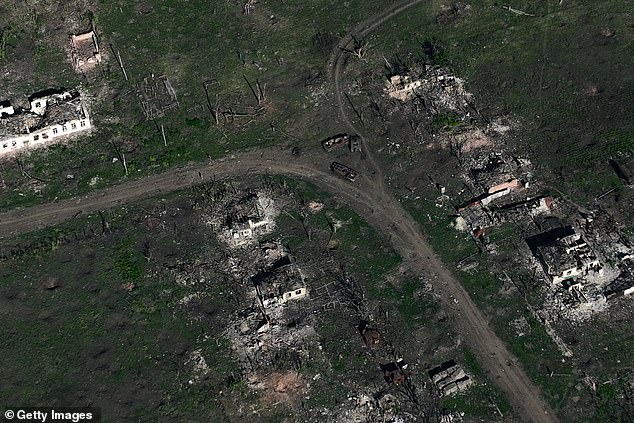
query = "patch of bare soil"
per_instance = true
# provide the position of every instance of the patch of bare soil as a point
(282, 387)
(466, 140)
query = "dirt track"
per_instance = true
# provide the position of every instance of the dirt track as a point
(370, 199)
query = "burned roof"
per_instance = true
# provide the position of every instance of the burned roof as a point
(52, 92)
(549, 237)
(277, 265)
(444, 366)
(492, 166)
(556, 257)
(60, 113)
(22, 122)
(61, 106)
(619, 286)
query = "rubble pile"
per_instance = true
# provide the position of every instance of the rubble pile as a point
(450, 378)
(565, 255)
(244, 219)
(490, 172)
(586, 263)
(84, 51)
(435, 86)
(575, 258)
(503, 194)
(469, 139)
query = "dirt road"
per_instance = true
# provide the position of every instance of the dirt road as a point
(370, 198)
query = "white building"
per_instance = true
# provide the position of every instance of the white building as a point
(51, 117)
(6, 109)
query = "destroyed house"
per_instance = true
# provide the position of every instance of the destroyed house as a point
(6, 109)
(53, 114)
(371, 337)
(85, 51)
(280, 282)
(530, 207)
(402, 87)
(278, 265)
(394, 372)
(564, 254)
(157, 96)
(492, 173)
(494, 176)
(620, 287)
(497, 215)
(435, 86)
(243, 218)
(450, 378)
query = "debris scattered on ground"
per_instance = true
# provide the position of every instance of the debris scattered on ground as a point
(199, 368)
(450, 378)
(85, 53)
(157, 96)
(315, 206)
(439, 90)
(244, 220)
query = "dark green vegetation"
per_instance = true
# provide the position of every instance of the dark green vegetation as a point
(89, 320)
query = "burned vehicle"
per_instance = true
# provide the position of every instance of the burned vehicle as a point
(344, 171)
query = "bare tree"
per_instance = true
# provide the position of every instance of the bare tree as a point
(248, 6)
(359, 48)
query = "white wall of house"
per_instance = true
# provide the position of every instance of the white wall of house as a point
(43, 136)
(8, 110)
(295, 294)
(566, 274)
(39, 105)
